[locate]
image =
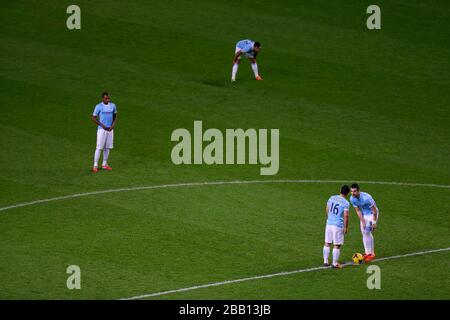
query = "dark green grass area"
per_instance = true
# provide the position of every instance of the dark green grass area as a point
(351, 104)
(138, 242)
(409, 278)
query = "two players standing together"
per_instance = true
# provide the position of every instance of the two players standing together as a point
(337, 222)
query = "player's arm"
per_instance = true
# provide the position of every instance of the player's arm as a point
(114, 121)
(345, 221)
(253, 59)
(374, 210)
(94, 118)
(375, 216)
(360, 216)
(327, 209)
(236, 56)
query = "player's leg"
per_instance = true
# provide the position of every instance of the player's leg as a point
(108, 146)
(373, 239)
(101, 138)
(368, 240)
(338, 241)
(326, 254)
(336, 254)
(96, 158)
(326, 247)
(234, 70)
(365, 238)
(105, 158)
(255, 68)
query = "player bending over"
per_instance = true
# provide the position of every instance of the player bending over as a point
(105, 116)
(337, 225)
(367, 212)
(250, 50)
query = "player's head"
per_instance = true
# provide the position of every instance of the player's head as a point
(345, 190)
(355, 190)
(105, 97)
(256, 47)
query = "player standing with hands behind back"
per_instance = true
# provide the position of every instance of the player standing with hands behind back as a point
(105, 116)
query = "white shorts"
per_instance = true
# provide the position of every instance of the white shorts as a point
(105, 139)
(247, 55)
(368, 219)
(334, 234)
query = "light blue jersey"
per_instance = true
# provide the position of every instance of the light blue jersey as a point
(245, 46)
(364, 202)
(337, 205)
(105, 113)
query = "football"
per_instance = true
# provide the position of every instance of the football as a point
(358, 258)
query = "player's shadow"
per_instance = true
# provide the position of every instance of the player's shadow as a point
(223, 83)
(218, 83)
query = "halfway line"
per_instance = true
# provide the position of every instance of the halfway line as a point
(192, 184)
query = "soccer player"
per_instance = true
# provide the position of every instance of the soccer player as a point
(337, 225)
(250, 50)
(367, 212)
(105, 116)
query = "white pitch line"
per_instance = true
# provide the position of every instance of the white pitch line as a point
(279, 274)
(193, 184)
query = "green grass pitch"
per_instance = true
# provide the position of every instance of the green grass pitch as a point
(351, 105)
